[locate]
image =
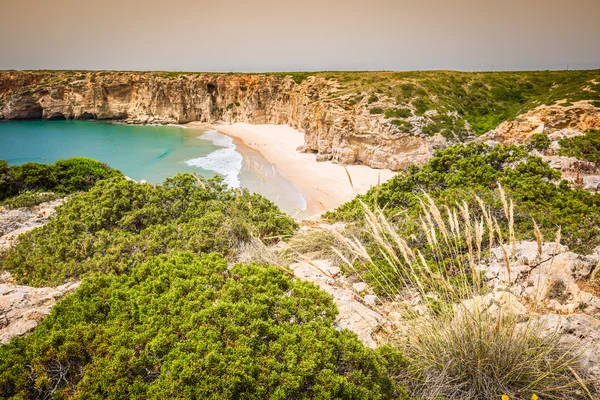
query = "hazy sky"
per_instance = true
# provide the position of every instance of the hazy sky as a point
(300, 35)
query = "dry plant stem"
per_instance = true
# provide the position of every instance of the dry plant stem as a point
(459, 348)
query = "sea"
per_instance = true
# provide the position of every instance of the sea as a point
(151, 153)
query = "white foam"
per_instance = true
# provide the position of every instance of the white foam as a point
(226, 162)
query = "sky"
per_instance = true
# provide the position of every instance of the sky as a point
(300, 35)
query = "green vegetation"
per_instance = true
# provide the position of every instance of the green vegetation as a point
(585, 147)
(539, 141)
(156, 318)
(29, 199)
(421, 105)
(61, 178)
(298, 77)
(398, 113)
(447, 125)
(376, 110)
(183, 326)
(372, 99)
(481, 99)
(119, 224)
(463, 171)
(402, 125)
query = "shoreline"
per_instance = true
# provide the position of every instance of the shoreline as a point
(324, 185)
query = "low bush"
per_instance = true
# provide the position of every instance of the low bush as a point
(372, 99)
(119, 224)
(376, 110)
(62, 178)
(585, 147)
(421, 105)
(539, 142)
(402, 125)
(29, 199)
(183, 326)
(398, 113)
(463, 171)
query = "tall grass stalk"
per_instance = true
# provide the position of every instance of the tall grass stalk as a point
(464, 344)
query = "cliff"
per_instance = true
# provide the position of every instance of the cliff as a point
(380, 119)
(334, 130)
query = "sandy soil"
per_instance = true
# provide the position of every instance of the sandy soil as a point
(324, 185)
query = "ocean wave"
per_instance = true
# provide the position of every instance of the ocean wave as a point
(226, 162)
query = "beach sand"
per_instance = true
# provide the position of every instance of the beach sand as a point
(324, 185)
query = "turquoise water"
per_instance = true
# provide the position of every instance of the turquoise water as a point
(150, 153)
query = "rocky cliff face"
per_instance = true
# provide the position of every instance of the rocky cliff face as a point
(335, 129)
(554, 120)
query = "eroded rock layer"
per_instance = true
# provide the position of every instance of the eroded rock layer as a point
(334, 128)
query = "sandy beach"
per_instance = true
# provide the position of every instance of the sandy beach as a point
(324, 185)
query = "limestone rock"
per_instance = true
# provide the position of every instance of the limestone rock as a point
(555, 120)
(550, 279)
(334, 129)
(15, 222)
(23, 307)
(581, 333)
(371, 299)
(353, 315)
(360, 287)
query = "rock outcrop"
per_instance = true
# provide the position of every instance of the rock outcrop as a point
(353, 315)
(21, 220)
(335, 128)
(23, 307)
(556, 120)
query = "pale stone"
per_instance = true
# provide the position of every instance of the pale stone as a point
(23, 307)
(360, 287)
(21, 220)
(353, 315)
(371, 299)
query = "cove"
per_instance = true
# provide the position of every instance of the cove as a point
(150, 153)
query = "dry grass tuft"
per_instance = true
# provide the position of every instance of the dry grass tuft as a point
(478, 355)
(457, 351)
(315, 243)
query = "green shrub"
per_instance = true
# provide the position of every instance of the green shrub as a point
(402, 125)
(398, 113)
(183, 326)
(29, 199)
(585, 147)
(63, 177)
(462, 171)
(376, 110)
(421, 105)
(356, 100)
(119, 224)
(243, 88)
(539, 141)
(372, 99)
